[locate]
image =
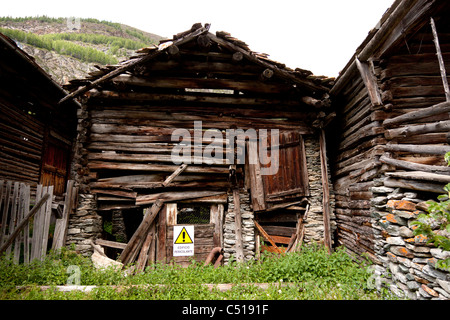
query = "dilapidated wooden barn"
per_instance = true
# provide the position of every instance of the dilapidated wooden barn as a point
(36, 134)
(209, 86)
(392, 125)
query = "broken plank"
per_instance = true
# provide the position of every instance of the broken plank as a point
(266, 235)
(129, 253)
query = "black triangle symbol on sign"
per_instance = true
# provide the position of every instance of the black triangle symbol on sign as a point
(183, 237)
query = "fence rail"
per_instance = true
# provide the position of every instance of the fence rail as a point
(24, 231)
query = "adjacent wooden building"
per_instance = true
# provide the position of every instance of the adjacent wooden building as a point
(36, 134)
(392, 125)
(206, 85)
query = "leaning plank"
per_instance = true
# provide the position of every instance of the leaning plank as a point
(135, 243)
(61, 225)
(266, 235)
(46, 224)
(24, 222)
(174, 175)
(370, 82)
(13, 218)
(325, 191)
(440, 59)
(143, 255)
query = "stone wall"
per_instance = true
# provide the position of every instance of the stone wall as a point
(406, 262)
(248, 228)
(84, 225)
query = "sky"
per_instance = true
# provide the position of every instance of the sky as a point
(317, 35)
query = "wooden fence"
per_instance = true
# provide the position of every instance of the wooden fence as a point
(24, 229)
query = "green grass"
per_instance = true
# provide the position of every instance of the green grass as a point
(313, 273)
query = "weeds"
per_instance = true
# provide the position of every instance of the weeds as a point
(310, 274)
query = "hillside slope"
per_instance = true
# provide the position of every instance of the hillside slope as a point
(68, 48)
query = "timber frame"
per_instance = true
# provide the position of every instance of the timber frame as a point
(130, 111)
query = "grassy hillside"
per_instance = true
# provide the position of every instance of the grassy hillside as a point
(67, 49)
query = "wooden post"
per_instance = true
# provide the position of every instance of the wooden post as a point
(325, 191)
(440, 59)
(171, 213)
(216, 217)
(162, 237)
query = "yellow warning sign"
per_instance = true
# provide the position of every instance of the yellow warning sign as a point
(183, 237)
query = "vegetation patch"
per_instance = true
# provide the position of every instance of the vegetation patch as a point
(309, 274)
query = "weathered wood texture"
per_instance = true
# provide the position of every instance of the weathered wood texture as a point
(405, 135)
(133, 124)
(18, 238)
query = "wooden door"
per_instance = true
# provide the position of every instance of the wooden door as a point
(54, 166)
(286, 182)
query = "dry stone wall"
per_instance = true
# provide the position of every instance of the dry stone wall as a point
(406, 263)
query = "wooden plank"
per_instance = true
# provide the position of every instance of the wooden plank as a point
(256, 182)
(26, 238)
(22, 225)
(175, 196)
(61, 225)
(13, 218)
(440, 59)
(411, 130)
(171, 213)
(95, 165)
(325, 191)
(111, 244)
(414, 185)
(266, 235)
(414, 148)
(129, 253)
(175, 174)
(370, 82)
(161, 255)
(5, 211)
(415, 166)
(216, 218)
(420, 175)
(143, 255)
(46, 224)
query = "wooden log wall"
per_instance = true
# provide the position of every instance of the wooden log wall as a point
(393, 125)
(354, 158)
(126, 125)
(21, 144)
(418, 123)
